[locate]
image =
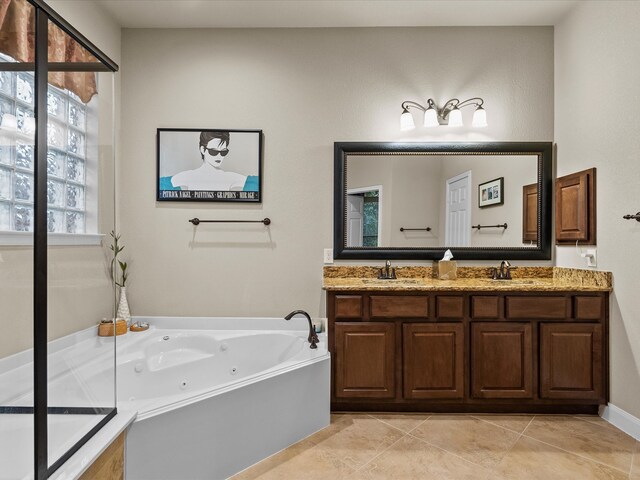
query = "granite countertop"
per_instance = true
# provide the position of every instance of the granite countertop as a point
(527, 279)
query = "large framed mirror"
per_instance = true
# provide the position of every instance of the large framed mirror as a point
(413, 201)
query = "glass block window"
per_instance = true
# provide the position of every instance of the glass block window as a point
(66, 155)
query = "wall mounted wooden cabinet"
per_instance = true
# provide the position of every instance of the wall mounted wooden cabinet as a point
(576, 208)
(468, 351)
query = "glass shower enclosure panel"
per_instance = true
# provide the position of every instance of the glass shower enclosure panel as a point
(16, 250)
(80, 217)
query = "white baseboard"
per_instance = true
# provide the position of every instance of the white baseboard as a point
(621, 419)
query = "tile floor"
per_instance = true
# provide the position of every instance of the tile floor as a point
(457, 447)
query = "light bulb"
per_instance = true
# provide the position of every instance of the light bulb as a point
(455, 118)
(430, 117)
(406, 120)
(479, 118)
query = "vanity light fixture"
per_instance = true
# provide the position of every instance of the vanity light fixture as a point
(449, 114)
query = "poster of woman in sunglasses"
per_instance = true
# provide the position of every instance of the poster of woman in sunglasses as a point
(209, 165)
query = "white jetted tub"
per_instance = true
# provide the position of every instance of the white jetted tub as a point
(215, 396)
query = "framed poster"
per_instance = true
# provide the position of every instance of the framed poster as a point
(491, 193)
(209, 165)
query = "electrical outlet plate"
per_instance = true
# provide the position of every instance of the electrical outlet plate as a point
(592, 257)
(328, 255)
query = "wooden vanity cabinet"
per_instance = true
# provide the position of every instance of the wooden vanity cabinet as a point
(364, 360)
(501, 360)
(571, 360)
(468, 351)
(433, 360)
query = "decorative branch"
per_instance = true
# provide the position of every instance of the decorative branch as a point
(115, 263)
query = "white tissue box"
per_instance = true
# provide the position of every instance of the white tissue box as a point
(446, 270)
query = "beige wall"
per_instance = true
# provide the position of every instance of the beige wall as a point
(305, 88)
(596, 125)
(80, 292)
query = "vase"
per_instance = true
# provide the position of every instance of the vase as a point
(123, 306)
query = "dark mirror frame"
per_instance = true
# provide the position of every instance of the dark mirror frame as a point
(543, 150)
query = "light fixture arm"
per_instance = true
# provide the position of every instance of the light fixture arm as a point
(443, 113)
(408, 103)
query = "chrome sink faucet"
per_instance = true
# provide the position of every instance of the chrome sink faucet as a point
(313, 338)
(503, 273)
(387, 273)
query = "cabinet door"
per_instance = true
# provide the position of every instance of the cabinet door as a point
(433, 360)
(571, 360)
(530, 213)
(576, 208)
(365, 359)
(501, 360)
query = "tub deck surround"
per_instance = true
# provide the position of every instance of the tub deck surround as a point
(224, 392)
(536, 343)
(525, 279)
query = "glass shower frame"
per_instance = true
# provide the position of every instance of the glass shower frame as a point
(41, 409)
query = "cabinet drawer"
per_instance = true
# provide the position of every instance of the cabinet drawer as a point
(485, 306)
(348, 306)
(399, 306)
(538, 307)
(449, 306)
(589, 308)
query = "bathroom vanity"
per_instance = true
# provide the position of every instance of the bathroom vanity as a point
(537, 343)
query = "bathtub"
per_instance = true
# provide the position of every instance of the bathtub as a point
(213, 395)
(216, 395)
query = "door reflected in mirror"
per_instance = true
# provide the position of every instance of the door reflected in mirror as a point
(363, 216)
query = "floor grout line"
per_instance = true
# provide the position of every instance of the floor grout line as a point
(501, 426)
(397, 428)
(636, 453)
(520, 435)
(352, 470)
(370, 415)
(377, 454)
(447, 451)
(577, 454)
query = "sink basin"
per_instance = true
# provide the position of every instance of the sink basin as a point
(381, 281)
